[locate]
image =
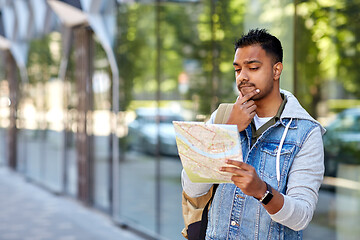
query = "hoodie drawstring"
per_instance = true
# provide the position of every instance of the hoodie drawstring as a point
(279, 151)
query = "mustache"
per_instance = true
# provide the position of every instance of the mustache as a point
(245, 84)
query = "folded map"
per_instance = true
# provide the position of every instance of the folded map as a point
(203, 149)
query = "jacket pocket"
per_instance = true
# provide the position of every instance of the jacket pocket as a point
(268, 159)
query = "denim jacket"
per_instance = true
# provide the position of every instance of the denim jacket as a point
(234, 215)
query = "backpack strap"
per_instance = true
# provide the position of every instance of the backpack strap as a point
(223, 113)
(204, 217)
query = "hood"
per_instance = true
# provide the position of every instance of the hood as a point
(293, 109)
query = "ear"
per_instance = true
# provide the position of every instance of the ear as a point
(277, 69)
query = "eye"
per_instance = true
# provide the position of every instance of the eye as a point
(254, 68)
(237, 70)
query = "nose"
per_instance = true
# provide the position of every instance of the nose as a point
(242, 77)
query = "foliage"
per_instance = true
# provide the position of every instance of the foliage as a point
(135, 51)
(197, 39)
(328, 49)
(42, 65)
(202, 34)
(220, 24)
(44, 58)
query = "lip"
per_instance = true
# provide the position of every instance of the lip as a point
(247, 87)
(245, 84)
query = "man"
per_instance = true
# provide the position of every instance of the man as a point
(275, 188)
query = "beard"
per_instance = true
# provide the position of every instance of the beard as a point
(246, 87)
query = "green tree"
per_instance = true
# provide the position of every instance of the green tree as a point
(219, 25)
(328, 33)
(347, 40)
(42, 60)
(135, 51)
(201, 33)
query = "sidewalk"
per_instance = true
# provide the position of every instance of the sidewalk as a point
(28, 212)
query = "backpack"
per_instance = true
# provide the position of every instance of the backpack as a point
(195, 210)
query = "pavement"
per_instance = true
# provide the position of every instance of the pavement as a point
(29, 212)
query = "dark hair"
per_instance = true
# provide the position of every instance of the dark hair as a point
(268, 42)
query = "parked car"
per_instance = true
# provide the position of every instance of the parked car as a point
(143, 131)
(342, 141)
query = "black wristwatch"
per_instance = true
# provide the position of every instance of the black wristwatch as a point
(267, 196)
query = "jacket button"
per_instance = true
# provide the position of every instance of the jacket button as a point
(233, 223)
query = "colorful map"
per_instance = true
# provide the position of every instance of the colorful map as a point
(203, 149)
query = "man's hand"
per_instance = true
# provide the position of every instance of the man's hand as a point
(245, 178)
(243, 110)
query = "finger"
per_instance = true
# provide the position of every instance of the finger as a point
(237, 178)
(252, 111)
(250, 105)
(239, 164)
(240, 95)
(252, 108)
(252, 115)
(249, 108)
(233, 162)
(247, 105)
(233, 170)
(249, 95)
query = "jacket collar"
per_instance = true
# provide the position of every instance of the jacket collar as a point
(294, 110)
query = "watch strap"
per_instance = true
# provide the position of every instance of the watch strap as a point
(267, 196)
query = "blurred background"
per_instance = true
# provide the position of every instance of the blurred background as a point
(89, 88)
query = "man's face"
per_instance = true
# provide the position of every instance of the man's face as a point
(254, 69)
